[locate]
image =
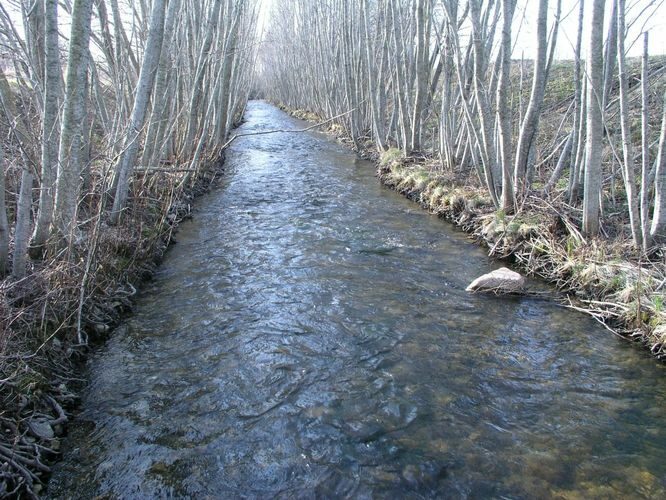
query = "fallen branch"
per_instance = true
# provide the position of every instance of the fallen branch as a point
(598, 317)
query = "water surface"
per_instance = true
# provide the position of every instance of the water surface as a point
(310, 336)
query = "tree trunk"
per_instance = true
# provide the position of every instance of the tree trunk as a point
(645, 148)
(504, 109)
(530, 124)
(197, 90)
(486, 144)
(22, 228)
(611, 53)
(421, 74)
(151, 60)
(658, 229)
(161, 93)
(225, 84)
(69, 169)
(628, 168)
(593, 172)
(4, 223)
(49, 129)
(18, 128)
(577, 127)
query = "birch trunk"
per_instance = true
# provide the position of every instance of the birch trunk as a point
(4, 223)
(50, 129)
(645, 148)
(144, 87)
(421, 75)
(69, 169)
(503, 108)
(595, 68)
(22, 228)
(658, 228)
(530, 124)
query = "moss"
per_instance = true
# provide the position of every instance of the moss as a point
(30, 381)
(479, 201)
(563, 182)
(390, 157)
(420, 179)
(526, 229)
(513, 227)
(617, 282)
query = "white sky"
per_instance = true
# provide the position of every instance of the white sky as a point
(653, 20)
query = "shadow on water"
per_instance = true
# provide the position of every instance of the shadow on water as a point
(310, 336)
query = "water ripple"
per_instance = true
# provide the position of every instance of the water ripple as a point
(309, 336)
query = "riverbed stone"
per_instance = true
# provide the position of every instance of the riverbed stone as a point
(41, 428)
(501, 280)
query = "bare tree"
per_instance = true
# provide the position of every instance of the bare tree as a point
(530, 123)
(503, 107)
(422, 71)
(69, 167)
(628, 166)
(593, 171)
(658, 228)
(18, 127)
(49, 139)
(645, 149)
(151, 60)
(4, 223)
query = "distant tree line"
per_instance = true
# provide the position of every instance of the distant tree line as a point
(437, 77)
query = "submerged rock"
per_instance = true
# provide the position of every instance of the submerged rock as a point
(501, 280)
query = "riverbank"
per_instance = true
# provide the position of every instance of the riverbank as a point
(601, 277)
(52, 319)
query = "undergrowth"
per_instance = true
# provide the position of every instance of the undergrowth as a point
(67, 304)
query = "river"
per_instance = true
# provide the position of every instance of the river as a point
(310, 336)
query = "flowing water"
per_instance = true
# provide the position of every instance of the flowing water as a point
(310, 336)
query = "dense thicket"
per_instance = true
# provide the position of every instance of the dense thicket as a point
(125, 89)
(438, 78)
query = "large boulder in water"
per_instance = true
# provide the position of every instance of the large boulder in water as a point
(501, 280)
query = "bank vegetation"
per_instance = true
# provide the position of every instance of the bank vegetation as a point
(559, 165)
(112, 114)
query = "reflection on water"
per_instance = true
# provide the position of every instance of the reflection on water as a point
(310, 336)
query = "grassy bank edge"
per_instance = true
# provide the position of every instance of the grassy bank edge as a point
(596, 276)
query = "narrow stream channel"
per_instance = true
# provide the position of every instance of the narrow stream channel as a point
(310, 336)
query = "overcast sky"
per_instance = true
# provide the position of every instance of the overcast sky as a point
(654, 20)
